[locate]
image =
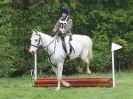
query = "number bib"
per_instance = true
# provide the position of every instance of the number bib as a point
(63, 24)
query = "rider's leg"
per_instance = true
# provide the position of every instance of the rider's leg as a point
(64, 46)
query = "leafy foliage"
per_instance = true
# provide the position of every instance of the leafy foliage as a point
(105, 21)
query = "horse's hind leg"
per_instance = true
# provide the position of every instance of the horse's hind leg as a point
(78, 68)
(88, 71)
(84, 57)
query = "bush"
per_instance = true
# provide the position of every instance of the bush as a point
(105, 21)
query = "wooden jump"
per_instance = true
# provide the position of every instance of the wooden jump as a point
(75, 82)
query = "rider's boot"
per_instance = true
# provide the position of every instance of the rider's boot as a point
(67, 56)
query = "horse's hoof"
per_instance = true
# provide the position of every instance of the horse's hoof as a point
(88, 72)
(67, 85)
(57, 89)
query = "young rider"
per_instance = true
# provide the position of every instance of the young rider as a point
(63, 26)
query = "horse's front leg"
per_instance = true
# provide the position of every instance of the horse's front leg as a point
(66, 84)
(59, 75)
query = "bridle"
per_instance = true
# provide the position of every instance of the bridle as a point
(48, 55)
(40, 40)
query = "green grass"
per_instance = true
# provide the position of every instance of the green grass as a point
(21, 88)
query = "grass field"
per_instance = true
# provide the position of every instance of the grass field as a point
(21, 88)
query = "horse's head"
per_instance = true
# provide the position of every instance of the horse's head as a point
(36, 41)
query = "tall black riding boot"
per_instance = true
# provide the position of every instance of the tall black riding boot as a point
(64, 47)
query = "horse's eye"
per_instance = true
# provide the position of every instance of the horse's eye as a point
(36, 40)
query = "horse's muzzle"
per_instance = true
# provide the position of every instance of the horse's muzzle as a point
(31, 51)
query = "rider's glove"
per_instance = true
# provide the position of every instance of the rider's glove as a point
(53, 33)
(60, 34)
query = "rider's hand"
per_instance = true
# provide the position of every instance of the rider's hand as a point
(70, 38)
(53, 33)
(60, 34)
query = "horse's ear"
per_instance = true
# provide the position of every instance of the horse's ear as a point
(34, 31)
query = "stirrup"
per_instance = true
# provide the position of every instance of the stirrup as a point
(67, 56)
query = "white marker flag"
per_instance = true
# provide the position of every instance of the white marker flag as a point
(115, 47)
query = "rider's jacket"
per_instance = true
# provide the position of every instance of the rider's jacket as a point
(64, 25)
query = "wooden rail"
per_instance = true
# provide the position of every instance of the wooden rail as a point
(75, 82)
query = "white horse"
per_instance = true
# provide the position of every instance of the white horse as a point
(53, 46)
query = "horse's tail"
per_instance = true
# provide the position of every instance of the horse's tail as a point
(90, 53)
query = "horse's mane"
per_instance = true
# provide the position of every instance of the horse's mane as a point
(44, 34)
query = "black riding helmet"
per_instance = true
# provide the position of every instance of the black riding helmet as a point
(65, 9)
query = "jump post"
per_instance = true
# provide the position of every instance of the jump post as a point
(79, 82)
